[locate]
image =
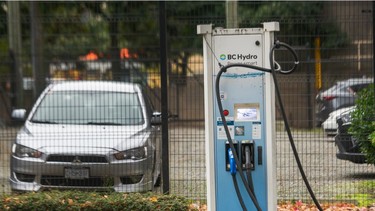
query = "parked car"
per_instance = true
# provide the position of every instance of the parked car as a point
(330, 124)
(88, 135)
(340, 95)
(348, 146)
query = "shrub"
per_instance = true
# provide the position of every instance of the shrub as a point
(80, 200)
(363, 123)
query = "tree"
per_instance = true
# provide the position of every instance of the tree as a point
(297, 18)
(183, 18)
(73, 29)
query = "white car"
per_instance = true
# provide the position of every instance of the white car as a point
(330, 124)
(88, 135)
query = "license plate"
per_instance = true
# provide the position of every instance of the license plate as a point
(76, 173)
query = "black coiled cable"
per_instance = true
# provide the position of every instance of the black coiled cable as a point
(291, 140)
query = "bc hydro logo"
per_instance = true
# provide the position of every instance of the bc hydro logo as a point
(240, 57)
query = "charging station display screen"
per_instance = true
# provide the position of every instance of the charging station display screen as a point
(247, 112)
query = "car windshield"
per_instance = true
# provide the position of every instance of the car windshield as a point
(89, 107)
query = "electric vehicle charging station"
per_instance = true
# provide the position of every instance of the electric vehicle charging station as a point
(248, 104)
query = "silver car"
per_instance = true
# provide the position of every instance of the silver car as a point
(89, 135)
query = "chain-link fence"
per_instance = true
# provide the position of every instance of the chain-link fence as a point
(120, 41)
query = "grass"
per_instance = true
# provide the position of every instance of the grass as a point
(365, 194)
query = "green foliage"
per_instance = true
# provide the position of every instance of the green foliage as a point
(296, 17)
(72, 28)
(183, 18)
(77, 200)
(281, 11)
(367, 188)
(365, 194)
(140, 29)
(363, 123)
(362, 200)
(138, 23)
(90, 31)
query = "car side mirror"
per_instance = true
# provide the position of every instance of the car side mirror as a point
(19, 114)
(156, 118)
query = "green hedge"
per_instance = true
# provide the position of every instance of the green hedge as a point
(80, 200)
(363, 123)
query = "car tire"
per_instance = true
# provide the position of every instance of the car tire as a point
(157, 183)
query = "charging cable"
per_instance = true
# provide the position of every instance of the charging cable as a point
(233, 171)
(291, 139)
(248, 167)
(273, 71)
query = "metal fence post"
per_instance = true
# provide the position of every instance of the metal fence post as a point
(164, 96)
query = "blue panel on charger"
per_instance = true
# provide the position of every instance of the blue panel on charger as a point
(241, 90)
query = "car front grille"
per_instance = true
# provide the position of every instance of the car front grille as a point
(77, 159)
(61, 181)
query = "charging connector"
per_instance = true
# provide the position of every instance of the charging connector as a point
(248, 155)
(230, 158)
(232, 162)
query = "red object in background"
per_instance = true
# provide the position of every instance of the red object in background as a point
(89, 57)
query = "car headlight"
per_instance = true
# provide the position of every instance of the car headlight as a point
(25, 152)
(133, 154)
(346, 118)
